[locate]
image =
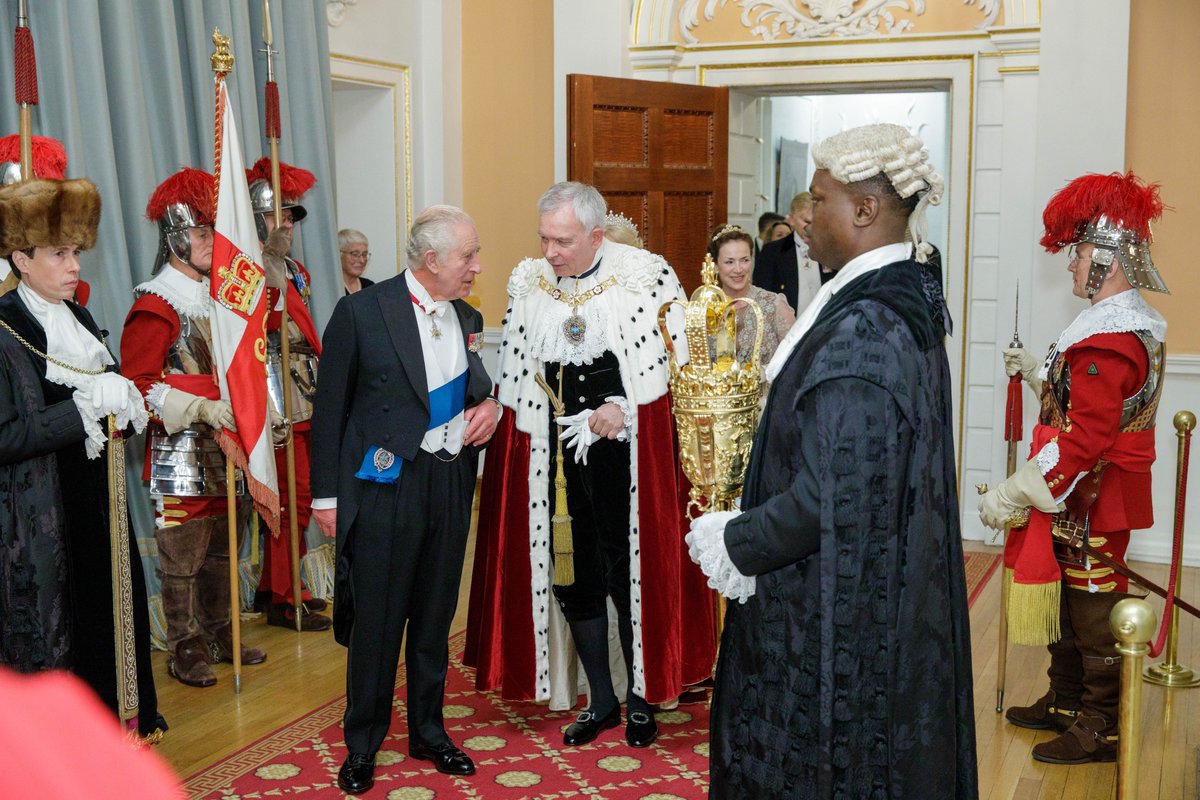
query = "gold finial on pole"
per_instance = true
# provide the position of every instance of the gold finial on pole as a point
(1133, 623)
(1170, 672)
(222, 57)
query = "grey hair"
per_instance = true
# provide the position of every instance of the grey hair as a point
(433, 229)
(349, 236)
(587, 203)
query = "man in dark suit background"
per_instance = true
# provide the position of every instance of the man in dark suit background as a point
(402, 407)
(784, 265)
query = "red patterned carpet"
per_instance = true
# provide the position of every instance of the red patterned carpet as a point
(517, 748)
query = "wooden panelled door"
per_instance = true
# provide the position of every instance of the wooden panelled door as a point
(659, 154)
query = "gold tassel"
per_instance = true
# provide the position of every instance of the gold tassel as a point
(560, 523)
(1033, 611)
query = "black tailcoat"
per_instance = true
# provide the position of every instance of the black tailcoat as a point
(776, 269)
(399, 547)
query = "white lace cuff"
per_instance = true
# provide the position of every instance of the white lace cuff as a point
(706, 546)
(94, 444)
(622, 404)
(1047, 458)
(156, 397)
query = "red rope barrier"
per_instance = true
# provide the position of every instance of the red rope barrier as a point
(1176, 548)
(25, 67)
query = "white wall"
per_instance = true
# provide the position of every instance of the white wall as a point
(590, 38)
(364, 150)
(423, 35)
(811, 118)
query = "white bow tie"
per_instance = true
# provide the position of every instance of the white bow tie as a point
(435, 307)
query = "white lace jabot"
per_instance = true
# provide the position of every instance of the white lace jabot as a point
(1121, 313)
(188, 297)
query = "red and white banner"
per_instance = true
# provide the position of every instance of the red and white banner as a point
(239, 319)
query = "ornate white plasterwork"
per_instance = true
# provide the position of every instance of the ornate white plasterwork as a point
(335, 11)
(815, 19)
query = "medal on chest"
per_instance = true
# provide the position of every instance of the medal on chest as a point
(434, 330)
(574, 328)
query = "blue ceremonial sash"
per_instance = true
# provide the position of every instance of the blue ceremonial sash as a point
(445, 403)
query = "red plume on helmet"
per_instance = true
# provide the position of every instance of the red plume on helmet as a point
(294, 182)
(191, 187)
(1125, 200)
(49, 157)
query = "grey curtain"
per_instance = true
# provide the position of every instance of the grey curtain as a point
(127, 87)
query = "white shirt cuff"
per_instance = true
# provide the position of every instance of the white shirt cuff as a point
(324, 503)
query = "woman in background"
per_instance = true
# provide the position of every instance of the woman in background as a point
(730, 247)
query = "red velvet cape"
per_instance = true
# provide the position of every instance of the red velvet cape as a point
(678, 622)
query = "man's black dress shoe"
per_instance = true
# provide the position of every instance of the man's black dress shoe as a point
(641, 730)
(357, 774)
(587, 726)
(448, 759)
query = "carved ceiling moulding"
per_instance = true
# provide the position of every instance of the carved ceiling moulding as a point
(783, 20)
(335, 11)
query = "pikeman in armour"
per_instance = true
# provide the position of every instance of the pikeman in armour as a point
(1091, 454)
(305, 349)
(166, 352)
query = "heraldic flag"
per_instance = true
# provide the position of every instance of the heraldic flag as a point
(239, 344)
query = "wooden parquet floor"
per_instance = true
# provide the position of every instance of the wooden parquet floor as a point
(304, 671)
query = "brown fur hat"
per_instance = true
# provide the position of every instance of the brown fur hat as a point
(48, 213)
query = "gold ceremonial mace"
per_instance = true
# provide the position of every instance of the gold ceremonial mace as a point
(222, 64)
(124, 639)
(271, 104)
(1171, 673)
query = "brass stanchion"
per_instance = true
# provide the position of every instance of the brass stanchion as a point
(1171, 673)
(1133, 622)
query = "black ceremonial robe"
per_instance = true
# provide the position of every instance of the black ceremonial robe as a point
(55, 554)
(848, 674)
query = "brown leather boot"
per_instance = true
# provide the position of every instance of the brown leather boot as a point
(1091, 738)
(1059, 707)
(1044, 714)
(284, 616)
(190, 663)
(220, 649)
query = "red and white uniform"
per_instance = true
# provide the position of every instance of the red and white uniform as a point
(1103, 380)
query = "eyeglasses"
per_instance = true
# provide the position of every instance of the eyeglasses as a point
(357, 254)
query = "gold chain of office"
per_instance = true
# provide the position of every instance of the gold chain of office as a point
(49, 358)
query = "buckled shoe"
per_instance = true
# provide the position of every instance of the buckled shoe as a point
(587, 726)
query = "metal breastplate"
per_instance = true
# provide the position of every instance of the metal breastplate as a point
(191, 353)
(303, 357)
(1138, 411)
(188, 463)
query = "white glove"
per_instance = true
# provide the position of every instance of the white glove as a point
(577, 433)
(1018, 359)
(1024, 488)
(110, 395)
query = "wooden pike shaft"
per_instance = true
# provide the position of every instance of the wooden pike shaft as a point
(285, 354)
(235, 603)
